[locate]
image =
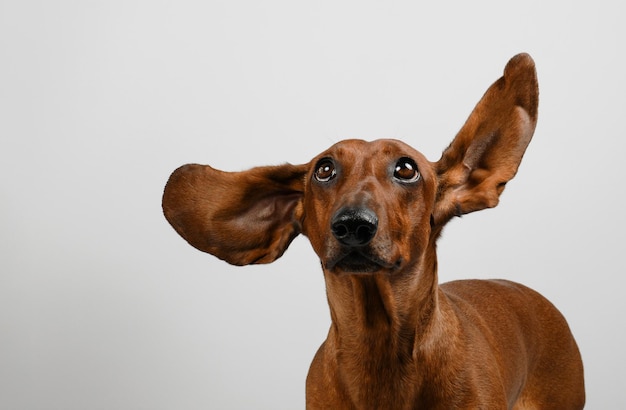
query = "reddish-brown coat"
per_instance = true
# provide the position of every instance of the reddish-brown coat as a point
(398, 339)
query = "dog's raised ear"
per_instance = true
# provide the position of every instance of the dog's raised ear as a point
(241, 217)
(488, 149)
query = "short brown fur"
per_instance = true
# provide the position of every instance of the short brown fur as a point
(398, 339)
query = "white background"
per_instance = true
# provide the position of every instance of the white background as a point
(103, 306)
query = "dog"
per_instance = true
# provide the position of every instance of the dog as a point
(372, 212)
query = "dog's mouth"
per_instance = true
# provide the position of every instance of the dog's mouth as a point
(357, 261)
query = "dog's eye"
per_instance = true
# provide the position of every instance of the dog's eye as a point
(406, 170)
(325, 170)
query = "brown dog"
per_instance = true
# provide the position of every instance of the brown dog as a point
(373, 212)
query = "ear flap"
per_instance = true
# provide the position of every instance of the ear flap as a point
(487, 151)
(240, 217)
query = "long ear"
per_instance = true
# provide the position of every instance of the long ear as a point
(241, 217)
(487, 151)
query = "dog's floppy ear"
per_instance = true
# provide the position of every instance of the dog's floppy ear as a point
(487, 151)
(241, 217)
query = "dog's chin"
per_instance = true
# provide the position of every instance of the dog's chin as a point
(355, 263)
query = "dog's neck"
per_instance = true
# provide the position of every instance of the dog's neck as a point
(381, 324)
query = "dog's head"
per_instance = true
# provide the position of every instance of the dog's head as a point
(365, 206)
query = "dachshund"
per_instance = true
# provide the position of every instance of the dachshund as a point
(373, 212)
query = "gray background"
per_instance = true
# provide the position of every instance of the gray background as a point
(103, 306)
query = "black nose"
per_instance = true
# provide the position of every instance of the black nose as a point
(354, 226)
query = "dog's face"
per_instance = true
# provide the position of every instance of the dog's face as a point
(367, 205)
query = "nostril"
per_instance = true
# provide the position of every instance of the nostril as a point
(364, 233)
(340, 230)
(354, 227)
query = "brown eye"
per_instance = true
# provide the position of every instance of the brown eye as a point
(325, 170)
(406, 170)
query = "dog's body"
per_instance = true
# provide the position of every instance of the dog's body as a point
(373, 212)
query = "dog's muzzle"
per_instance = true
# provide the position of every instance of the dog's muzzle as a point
(354, 229)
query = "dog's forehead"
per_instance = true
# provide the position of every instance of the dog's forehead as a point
(356, 148)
